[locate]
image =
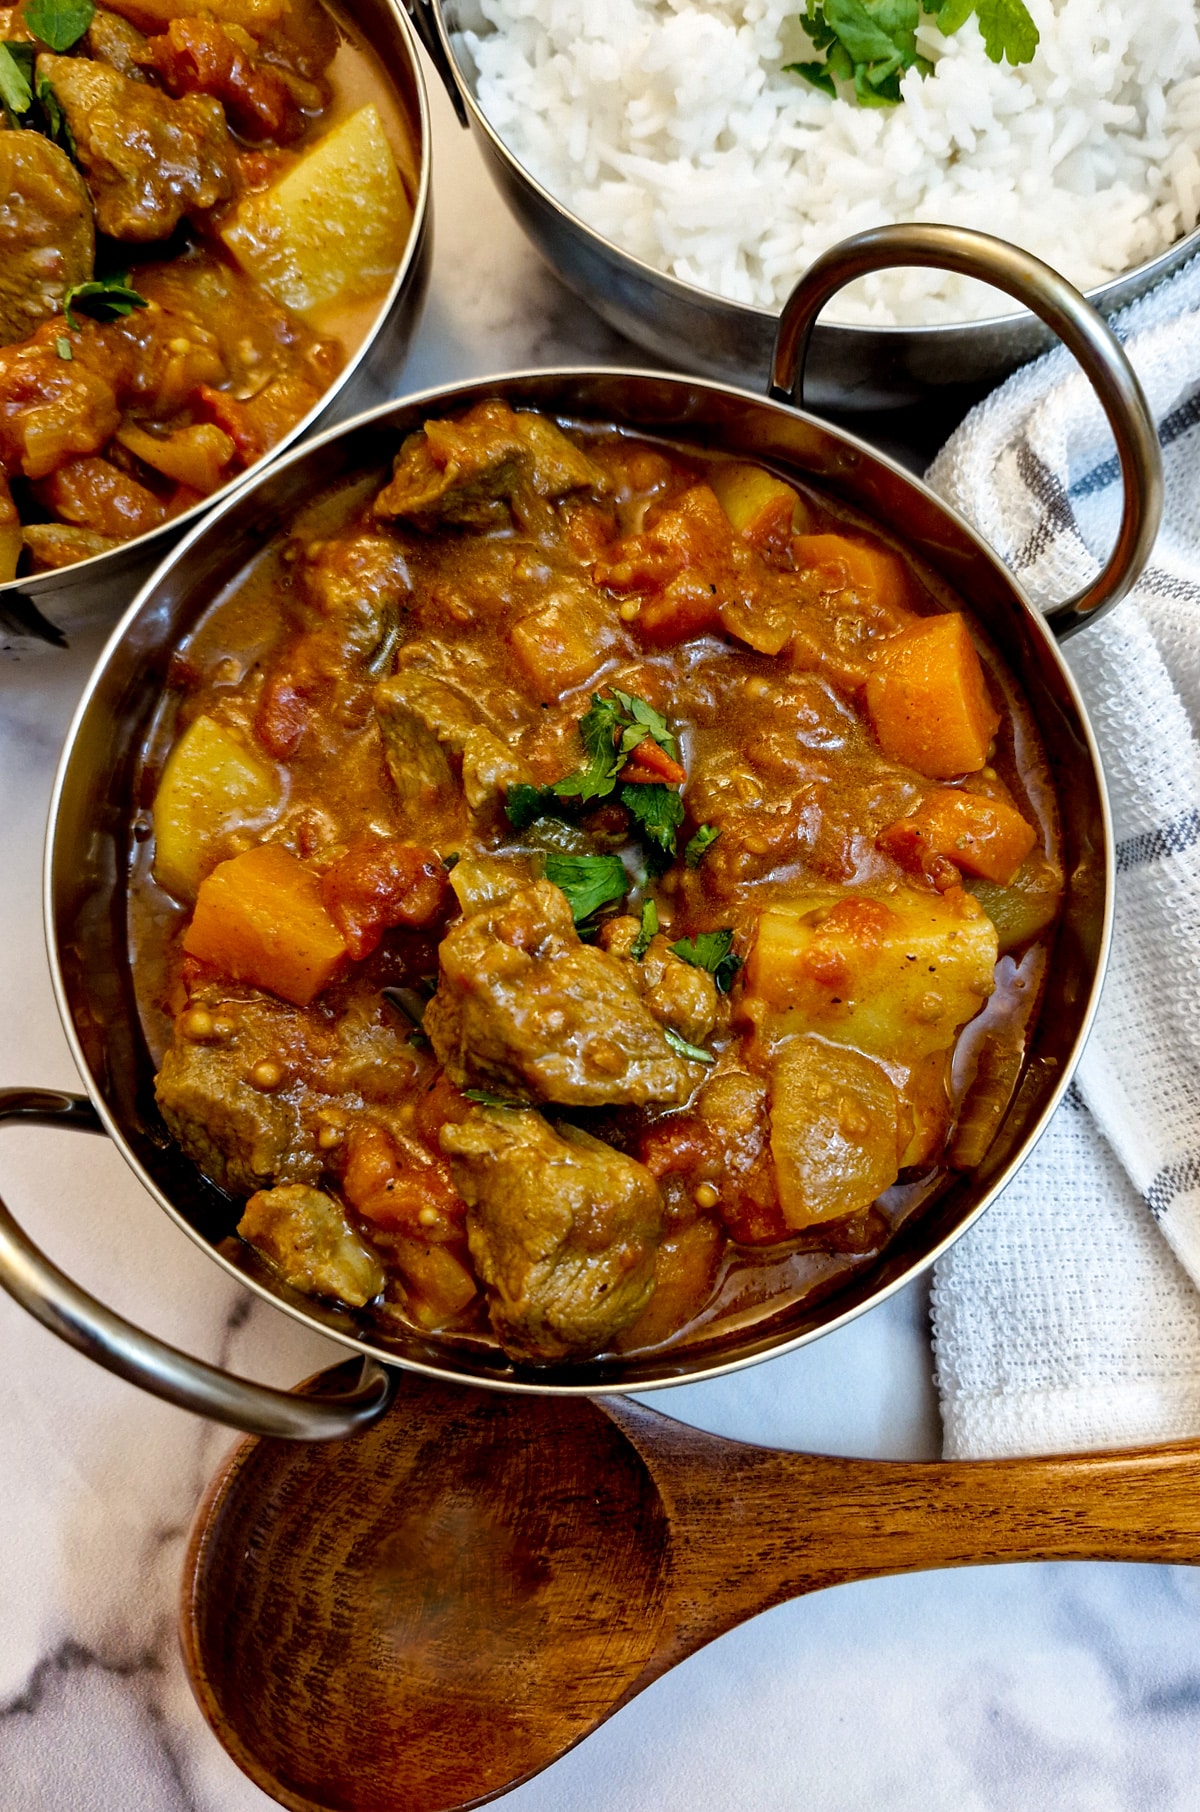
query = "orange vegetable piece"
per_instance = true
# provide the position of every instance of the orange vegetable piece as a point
(259, 918)
(650, 763)
(876, 575)
(929, 701)
(985, 837)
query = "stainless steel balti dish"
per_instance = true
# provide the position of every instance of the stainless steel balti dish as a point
(849, 368)
(44, 603)
(89, 837)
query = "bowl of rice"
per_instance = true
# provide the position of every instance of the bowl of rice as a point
(681, 162)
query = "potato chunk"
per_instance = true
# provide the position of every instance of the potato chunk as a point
(334, 228)
(894, 975)
(212, 784)
(835, 1131)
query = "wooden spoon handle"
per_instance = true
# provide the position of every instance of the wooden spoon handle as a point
(752, 1527)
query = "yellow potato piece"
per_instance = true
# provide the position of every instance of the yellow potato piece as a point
(834, 1131)
(334, 228)
(212, 784)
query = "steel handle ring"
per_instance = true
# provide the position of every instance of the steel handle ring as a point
(1066, 312)
(140, 1358)
(427, 23)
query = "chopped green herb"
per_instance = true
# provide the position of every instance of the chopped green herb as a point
(107, 299)
(449, 861)
(59, 23)
(692, 1052)
(57, 126)
(872, 43)
(657, 810)
(418, 1041)
(697, 847)
(712, 950)
(481, 1098)
(649, 929)
(63, 347)
(589, 882)
(15, 91)
(610, 730)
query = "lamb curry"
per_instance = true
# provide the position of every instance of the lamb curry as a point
(588, 887)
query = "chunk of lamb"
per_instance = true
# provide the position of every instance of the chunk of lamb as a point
(47, 240)
(148, 160)
(470, 470)
(425, 723)
(305, 1236)
(115, 41)
(677, 993)
(562, 1229)
(524, 1008)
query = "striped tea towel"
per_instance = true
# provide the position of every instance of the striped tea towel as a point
(1069, 1318)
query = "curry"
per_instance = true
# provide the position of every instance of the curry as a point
(587, 888)
(204, 207)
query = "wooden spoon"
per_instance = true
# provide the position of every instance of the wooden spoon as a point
(427, 1614)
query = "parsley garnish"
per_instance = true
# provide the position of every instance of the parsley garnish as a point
(692, 1052)
(697, 847)
(589, 882)
(657, 811)
(712, 950)
(610, 730)
(872, 43)
(649, 929)
(108, 299)
(58, 129)
(63, 347)
(481, 1098)
(59, 23)
(15, 91)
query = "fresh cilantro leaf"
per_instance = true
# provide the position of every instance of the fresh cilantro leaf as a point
(598, 729)
(58, 129)
(1008, 30)
(63, 347)
(15, 91)
(449, 861)
(874, 31)
(657, 811)
(648, 721)
(105, 300)
(589, 882)
(815, 73)
(712, 950)
(524, 804)
(692, 1052)
(951, 15)
(59, 23)
(649, 929)
(697, 847)
(482, 1099)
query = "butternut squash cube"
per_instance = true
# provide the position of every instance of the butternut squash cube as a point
(335, 227)
(929, 701)
(986, 837)
(212, 784)
(761, 508)
(259, 918)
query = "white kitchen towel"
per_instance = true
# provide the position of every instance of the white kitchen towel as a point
(1062, 1321)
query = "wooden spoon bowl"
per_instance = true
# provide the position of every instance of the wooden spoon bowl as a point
(423, 1616)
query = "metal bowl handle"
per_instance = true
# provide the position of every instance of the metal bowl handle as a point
(1063, 310)
(51, 1298)
(426, 22)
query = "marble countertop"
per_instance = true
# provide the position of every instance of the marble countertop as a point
(1072, 1687)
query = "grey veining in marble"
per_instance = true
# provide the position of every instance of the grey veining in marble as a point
(1019, 1689)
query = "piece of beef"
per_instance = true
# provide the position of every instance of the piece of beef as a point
(524, 1008)
(426, 725)
(149, 161)
(306, 1237)
(677, 993)
(562, 1230)
(47, 240)
(471, 469)
(117, 42)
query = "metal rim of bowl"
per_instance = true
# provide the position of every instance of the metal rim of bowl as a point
(669, 1373)
(97, 567)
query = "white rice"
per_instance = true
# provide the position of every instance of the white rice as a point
(670, 127)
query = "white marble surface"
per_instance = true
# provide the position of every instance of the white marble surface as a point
(1067, 1687)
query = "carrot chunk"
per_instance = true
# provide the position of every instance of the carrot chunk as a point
(874, 574)
(985, 837)
(259, 918)
(929, 701)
